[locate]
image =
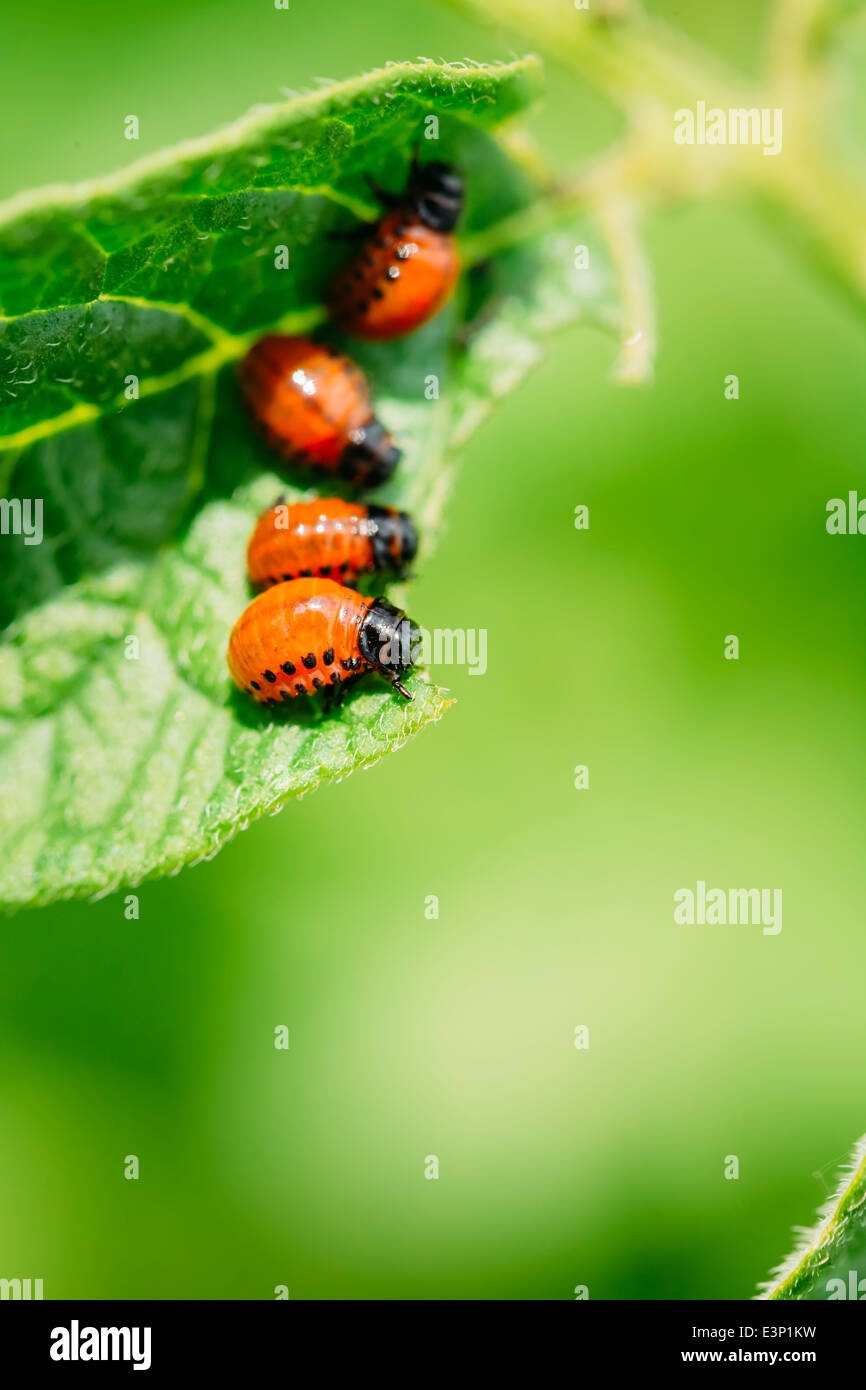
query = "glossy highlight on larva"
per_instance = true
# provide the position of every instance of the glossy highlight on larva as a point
(310, 635)
(407, 269)
(313, 406)
(329, 539)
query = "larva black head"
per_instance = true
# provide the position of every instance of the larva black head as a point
(436, 193)
(393, 538)
(370, 457)
(386, 640)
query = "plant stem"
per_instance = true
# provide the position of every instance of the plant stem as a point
(651, 71)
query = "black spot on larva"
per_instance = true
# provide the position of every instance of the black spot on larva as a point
(272, 700)
(401, 229)
(335, 677)
(310, 660)
(286, 577)
(328, 657)
(288, 667)
(285, 695)
(255, 685)
(362, 306)
(269, 676)
(318, 682)
(306, 574)
(393, 272)
(377, 293)
(358, 275)
(367, 259)
(347, 665)
(300, 687)
(344, 568)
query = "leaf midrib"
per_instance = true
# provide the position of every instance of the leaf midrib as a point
(229, 347)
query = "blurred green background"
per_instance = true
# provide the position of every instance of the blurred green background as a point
(454, 1037)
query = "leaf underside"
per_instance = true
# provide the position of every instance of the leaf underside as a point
(119, 762)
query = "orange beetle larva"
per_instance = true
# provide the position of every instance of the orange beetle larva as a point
(329, 539)
(407, 269)
(312, 634)
(314, 407)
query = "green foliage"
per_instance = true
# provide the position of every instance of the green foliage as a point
(119, 761)
(812, 194)
(830, 1259)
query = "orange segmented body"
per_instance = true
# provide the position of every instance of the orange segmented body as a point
(308, 635)
(399, 279)
(313, 406)
(329, 538)
(407, 269)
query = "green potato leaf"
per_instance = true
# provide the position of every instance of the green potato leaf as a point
(127, 304)
(829, 1262)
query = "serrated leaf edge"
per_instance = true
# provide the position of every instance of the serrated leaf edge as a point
(829, 1231)
(221, 835)
(259, 118)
